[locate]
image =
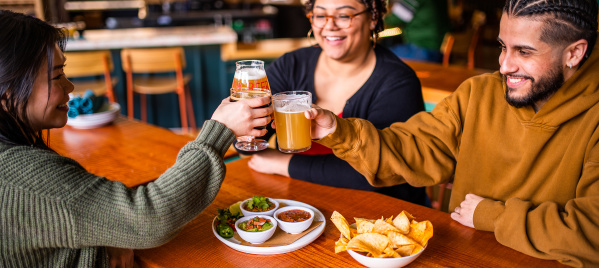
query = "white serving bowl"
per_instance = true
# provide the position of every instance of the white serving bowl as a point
(265, 213)
(256, 237)
(95, 120)
(294, 227)
(384, 262)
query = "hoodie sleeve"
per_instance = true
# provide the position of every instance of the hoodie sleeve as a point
(420, 151)
(567, 233)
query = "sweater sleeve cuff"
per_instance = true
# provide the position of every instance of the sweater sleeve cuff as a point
(216, 134)
(485, 214)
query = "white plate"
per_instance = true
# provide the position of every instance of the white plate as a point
(87, 121)
(300, 243)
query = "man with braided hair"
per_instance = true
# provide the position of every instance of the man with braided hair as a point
(521, 145)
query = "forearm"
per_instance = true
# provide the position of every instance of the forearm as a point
(150, 215)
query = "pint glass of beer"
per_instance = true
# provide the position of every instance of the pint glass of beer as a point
(293, 128)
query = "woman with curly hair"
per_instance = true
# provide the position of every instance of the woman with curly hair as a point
(351, 75)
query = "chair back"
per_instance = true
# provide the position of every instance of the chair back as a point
(91, 64)
(153, 60)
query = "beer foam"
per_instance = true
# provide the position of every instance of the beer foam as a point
(250, 74)
(293, 108)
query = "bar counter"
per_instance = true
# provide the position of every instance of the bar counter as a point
(153, 37)
(107, 151)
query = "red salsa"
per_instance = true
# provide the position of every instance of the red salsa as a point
(294, 215)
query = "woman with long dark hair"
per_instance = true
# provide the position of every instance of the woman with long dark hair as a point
(53, 213)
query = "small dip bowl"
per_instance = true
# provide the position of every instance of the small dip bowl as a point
(256, 237)
(263, 213)
(292, 211)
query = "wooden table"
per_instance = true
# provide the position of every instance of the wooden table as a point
(127, 150)
(453, 245)
(135, 153)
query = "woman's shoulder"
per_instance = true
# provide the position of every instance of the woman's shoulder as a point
(42, 173)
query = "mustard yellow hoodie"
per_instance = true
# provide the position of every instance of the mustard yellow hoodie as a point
(539, 172)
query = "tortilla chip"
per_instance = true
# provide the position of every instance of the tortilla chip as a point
(341, 245)
(341, 224)
(402, 222)
(405, 250)
(389, 220)
(353, 231)
(421, 232)
(390, 252)
(364, 225)
(370, 242)
(417, 248)
(382, 227)
(398, 239)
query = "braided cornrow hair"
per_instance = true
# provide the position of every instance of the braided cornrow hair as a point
(566, 21)
(378, 9)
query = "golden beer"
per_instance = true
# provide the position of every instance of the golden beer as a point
(293, 132)
(293, 128)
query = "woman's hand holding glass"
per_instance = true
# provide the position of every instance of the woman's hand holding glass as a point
(243, 116)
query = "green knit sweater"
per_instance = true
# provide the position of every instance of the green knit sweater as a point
(56, 214)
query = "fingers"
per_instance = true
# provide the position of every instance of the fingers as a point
(310, 113)
(456, 217)
(262, 112)
(257, 102)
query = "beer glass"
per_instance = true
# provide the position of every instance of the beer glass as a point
(250, 82)
(293, 128)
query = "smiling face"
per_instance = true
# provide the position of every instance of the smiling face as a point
(50, 111)
(343, 44)
(533, 70)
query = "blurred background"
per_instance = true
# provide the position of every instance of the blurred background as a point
(255, 20)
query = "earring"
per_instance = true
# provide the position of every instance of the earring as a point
(373, 39)
(310, 38)
(570, 65)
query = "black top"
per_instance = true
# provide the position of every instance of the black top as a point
(391, 94)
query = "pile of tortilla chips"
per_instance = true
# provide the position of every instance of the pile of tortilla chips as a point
(383, 238)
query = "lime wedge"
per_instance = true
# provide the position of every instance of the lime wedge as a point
(235, 208)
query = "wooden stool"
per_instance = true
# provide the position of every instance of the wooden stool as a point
(158, 60)
(91, 64)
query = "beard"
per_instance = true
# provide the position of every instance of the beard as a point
(540, 90)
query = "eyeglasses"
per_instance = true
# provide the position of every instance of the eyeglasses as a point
(342, 21)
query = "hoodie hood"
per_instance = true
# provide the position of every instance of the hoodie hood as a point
(577, 95)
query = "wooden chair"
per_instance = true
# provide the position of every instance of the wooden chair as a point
(92, 65)
(152, 61)
(437, 195)
(446, 47)
(464, 44)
